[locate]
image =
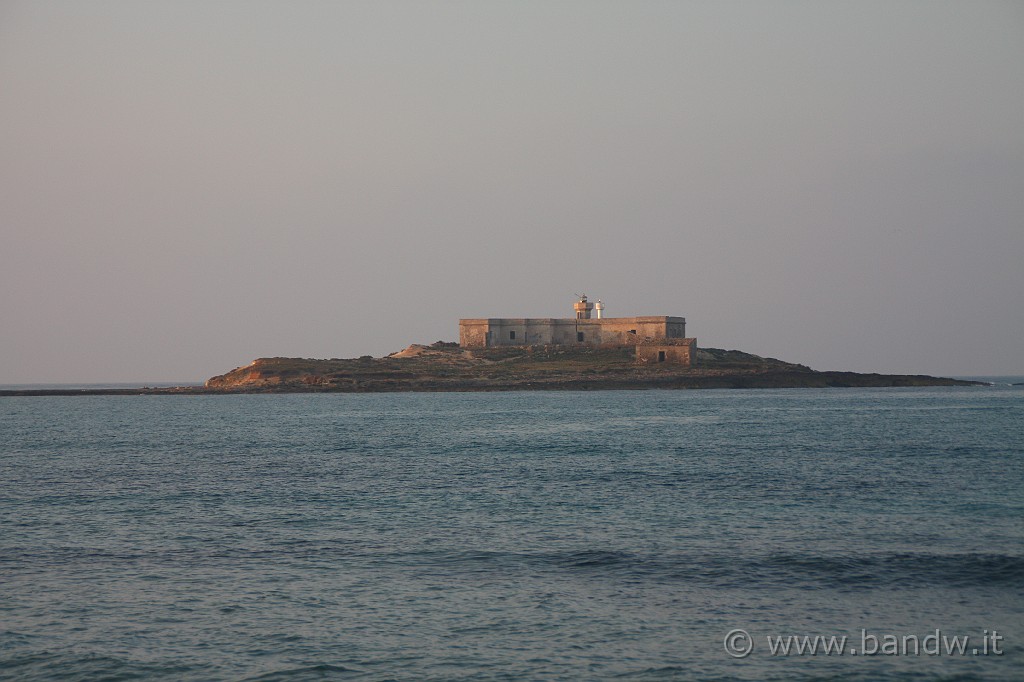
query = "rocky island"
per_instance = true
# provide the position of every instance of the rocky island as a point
(581, 353)
(445, 366)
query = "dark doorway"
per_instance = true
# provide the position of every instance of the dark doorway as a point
(661, 356)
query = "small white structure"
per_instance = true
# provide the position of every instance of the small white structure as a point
(599, 309)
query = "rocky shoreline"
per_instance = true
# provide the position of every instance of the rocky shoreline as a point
(446, 367)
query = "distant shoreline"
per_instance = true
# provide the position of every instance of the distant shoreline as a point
(444, 367)
(198, 389)
(916, 381)
(142, 390)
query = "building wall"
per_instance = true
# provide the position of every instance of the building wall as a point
(629, 331)
(680, 352)
(609, 331)
(473, 333)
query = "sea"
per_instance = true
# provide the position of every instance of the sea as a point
(607, 535)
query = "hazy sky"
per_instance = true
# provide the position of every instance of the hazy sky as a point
(186, 186)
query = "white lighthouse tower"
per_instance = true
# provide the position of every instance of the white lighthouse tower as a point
(599, 309)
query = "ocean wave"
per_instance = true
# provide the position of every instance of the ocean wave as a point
(844, 572)
(841, 571)
(75, 667)
(317, 671)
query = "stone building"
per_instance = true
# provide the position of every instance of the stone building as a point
(586, 330)
(676, 351)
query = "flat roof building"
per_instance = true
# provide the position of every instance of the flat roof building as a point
(583, 329)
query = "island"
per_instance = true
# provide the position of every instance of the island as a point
(446, 366)
(580, 353)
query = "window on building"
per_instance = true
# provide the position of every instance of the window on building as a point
(512, 336)
(579, 337)
(633, 332)
(661, 356)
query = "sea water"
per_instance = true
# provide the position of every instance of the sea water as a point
(506, 536)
